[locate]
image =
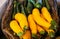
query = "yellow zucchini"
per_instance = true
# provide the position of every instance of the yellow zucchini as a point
(39, 20)
(32, 25)
(21, 18)
(27, 35)
(16, 28)
(46, 14)
(40, 30)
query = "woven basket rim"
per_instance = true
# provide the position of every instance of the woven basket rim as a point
(8, 7)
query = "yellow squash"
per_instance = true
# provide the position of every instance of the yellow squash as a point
(40, 30)
(46, 14)
(16, 28)
(27, 35)
(21, 18)
(32, 25)
(39, 20)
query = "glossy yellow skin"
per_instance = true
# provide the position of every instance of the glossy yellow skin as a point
(15, 27)
(32, 24)
(39, 20)
(46, 14)
(21, 18)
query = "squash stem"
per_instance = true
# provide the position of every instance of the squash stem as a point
(20, 34)
(42, 32)
(51, 34)
(34, 36)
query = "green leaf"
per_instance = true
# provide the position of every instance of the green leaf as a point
(22, 9)
(14, 4)
(38, 5)
(29, 7)
(47, 4)
(32, 1)
(53, 22)
(43, 3)
(53, 25)
(14, 10)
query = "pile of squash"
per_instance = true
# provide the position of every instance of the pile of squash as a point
(33, 21)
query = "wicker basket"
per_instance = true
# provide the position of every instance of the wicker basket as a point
(6, 17)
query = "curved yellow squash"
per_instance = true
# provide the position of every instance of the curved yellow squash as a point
(32, 24)
(16, 28)
(46, 14)
(40, 30)
(21, 18)
(39, 20)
